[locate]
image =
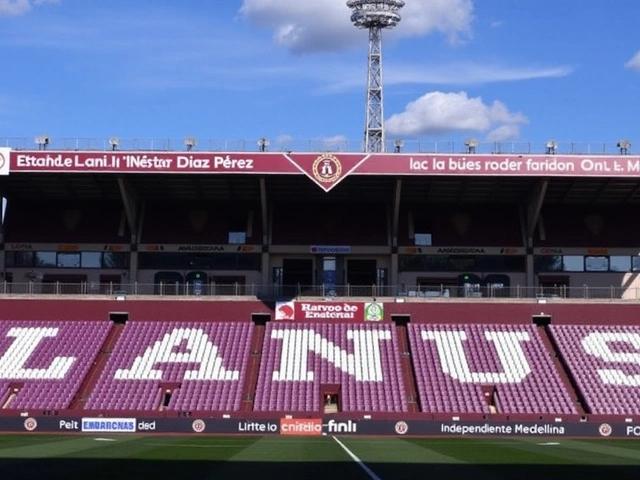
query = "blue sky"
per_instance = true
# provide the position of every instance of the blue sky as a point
(295, 70)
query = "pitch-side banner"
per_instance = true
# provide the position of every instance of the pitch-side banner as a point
(325, 169)
(318, 426)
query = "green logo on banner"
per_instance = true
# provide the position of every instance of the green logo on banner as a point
(373, 312)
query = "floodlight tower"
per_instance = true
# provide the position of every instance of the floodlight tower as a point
(375, 15)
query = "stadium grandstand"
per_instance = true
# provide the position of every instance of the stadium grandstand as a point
(439, 289)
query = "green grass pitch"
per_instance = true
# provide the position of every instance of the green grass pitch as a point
(49, 457)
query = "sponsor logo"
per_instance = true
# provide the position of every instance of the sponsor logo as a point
(342, 427)
(20, 246)
(257, 426)
(605, 430)
(551, 251)
(537, 429)
(301, 426)
(598, 251)
(95, 425)
(198, 425)
(461, 250)
(508, 251)
(201, 248)
(146, 426)
(401, 427)
(68, 247)
(30, 424)
(3, 161)
(285, 311)
(327, 168)
(69, 425)
(373, 312)
(330, 249)
(633, 431)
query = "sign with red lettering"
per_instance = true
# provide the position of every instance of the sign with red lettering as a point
(312, 311)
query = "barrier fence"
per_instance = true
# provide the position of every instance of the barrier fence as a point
(414, 292)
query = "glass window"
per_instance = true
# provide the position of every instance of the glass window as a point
(547, 263)
(596, 263)
(237, 238)
(423, 239)
(91, 259)
(620, 263)
(45, 259)
(115, 260)
(20, 259)
(573, 263)
(68, 260)
(635, 262)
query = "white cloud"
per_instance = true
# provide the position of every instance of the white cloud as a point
(439, 113)
(465, 73)
(10, 8)
(313, 26)
(634, 62)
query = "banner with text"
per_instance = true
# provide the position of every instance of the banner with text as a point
(317, 426)
(312, 311)
(325, 169)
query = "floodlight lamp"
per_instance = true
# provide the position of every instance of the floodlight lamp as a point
(471, 144)
(42, 141)
(551, 147)
(263, 143)
(114, 142)
(623, 146)
(190, 142)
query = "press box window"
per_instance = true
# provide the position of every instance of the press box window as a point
(423, 239)
(68, 260)
(596, 263)
(573, 263)
(237, 238)
(620, 263)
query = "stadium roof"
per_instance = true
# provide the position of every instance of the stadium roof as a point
(423, 189)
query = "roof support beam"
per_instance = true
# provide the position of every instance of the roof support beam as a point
(131, 206)
(264, 211)
(395, 221)
(534, 207)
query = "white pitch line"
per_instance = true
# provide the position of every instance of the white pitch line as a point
(357, 460)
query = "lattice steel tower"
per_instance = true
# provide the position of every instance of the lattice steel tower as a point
(375, 15)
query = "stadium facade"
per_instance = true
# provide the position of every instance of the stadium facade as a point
(319, 292)
(320, 223)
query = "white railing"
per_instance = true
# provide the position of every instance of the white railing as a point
(408, 293)
(315, 145)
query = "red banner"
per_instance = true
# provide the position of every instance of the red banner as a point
(505, 165)
(149, 162)
(325, 169)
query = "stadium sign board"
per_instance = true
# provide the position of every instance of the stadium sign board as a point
(325, 169)
(312, 311)
(316, 426)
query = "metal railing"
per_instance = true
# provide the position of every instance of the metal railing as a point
(404, 292)
(316, 145)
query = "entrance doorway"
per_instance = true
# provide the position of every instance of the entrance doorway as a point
(297, 276)
(363, 277)
(553, 286)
